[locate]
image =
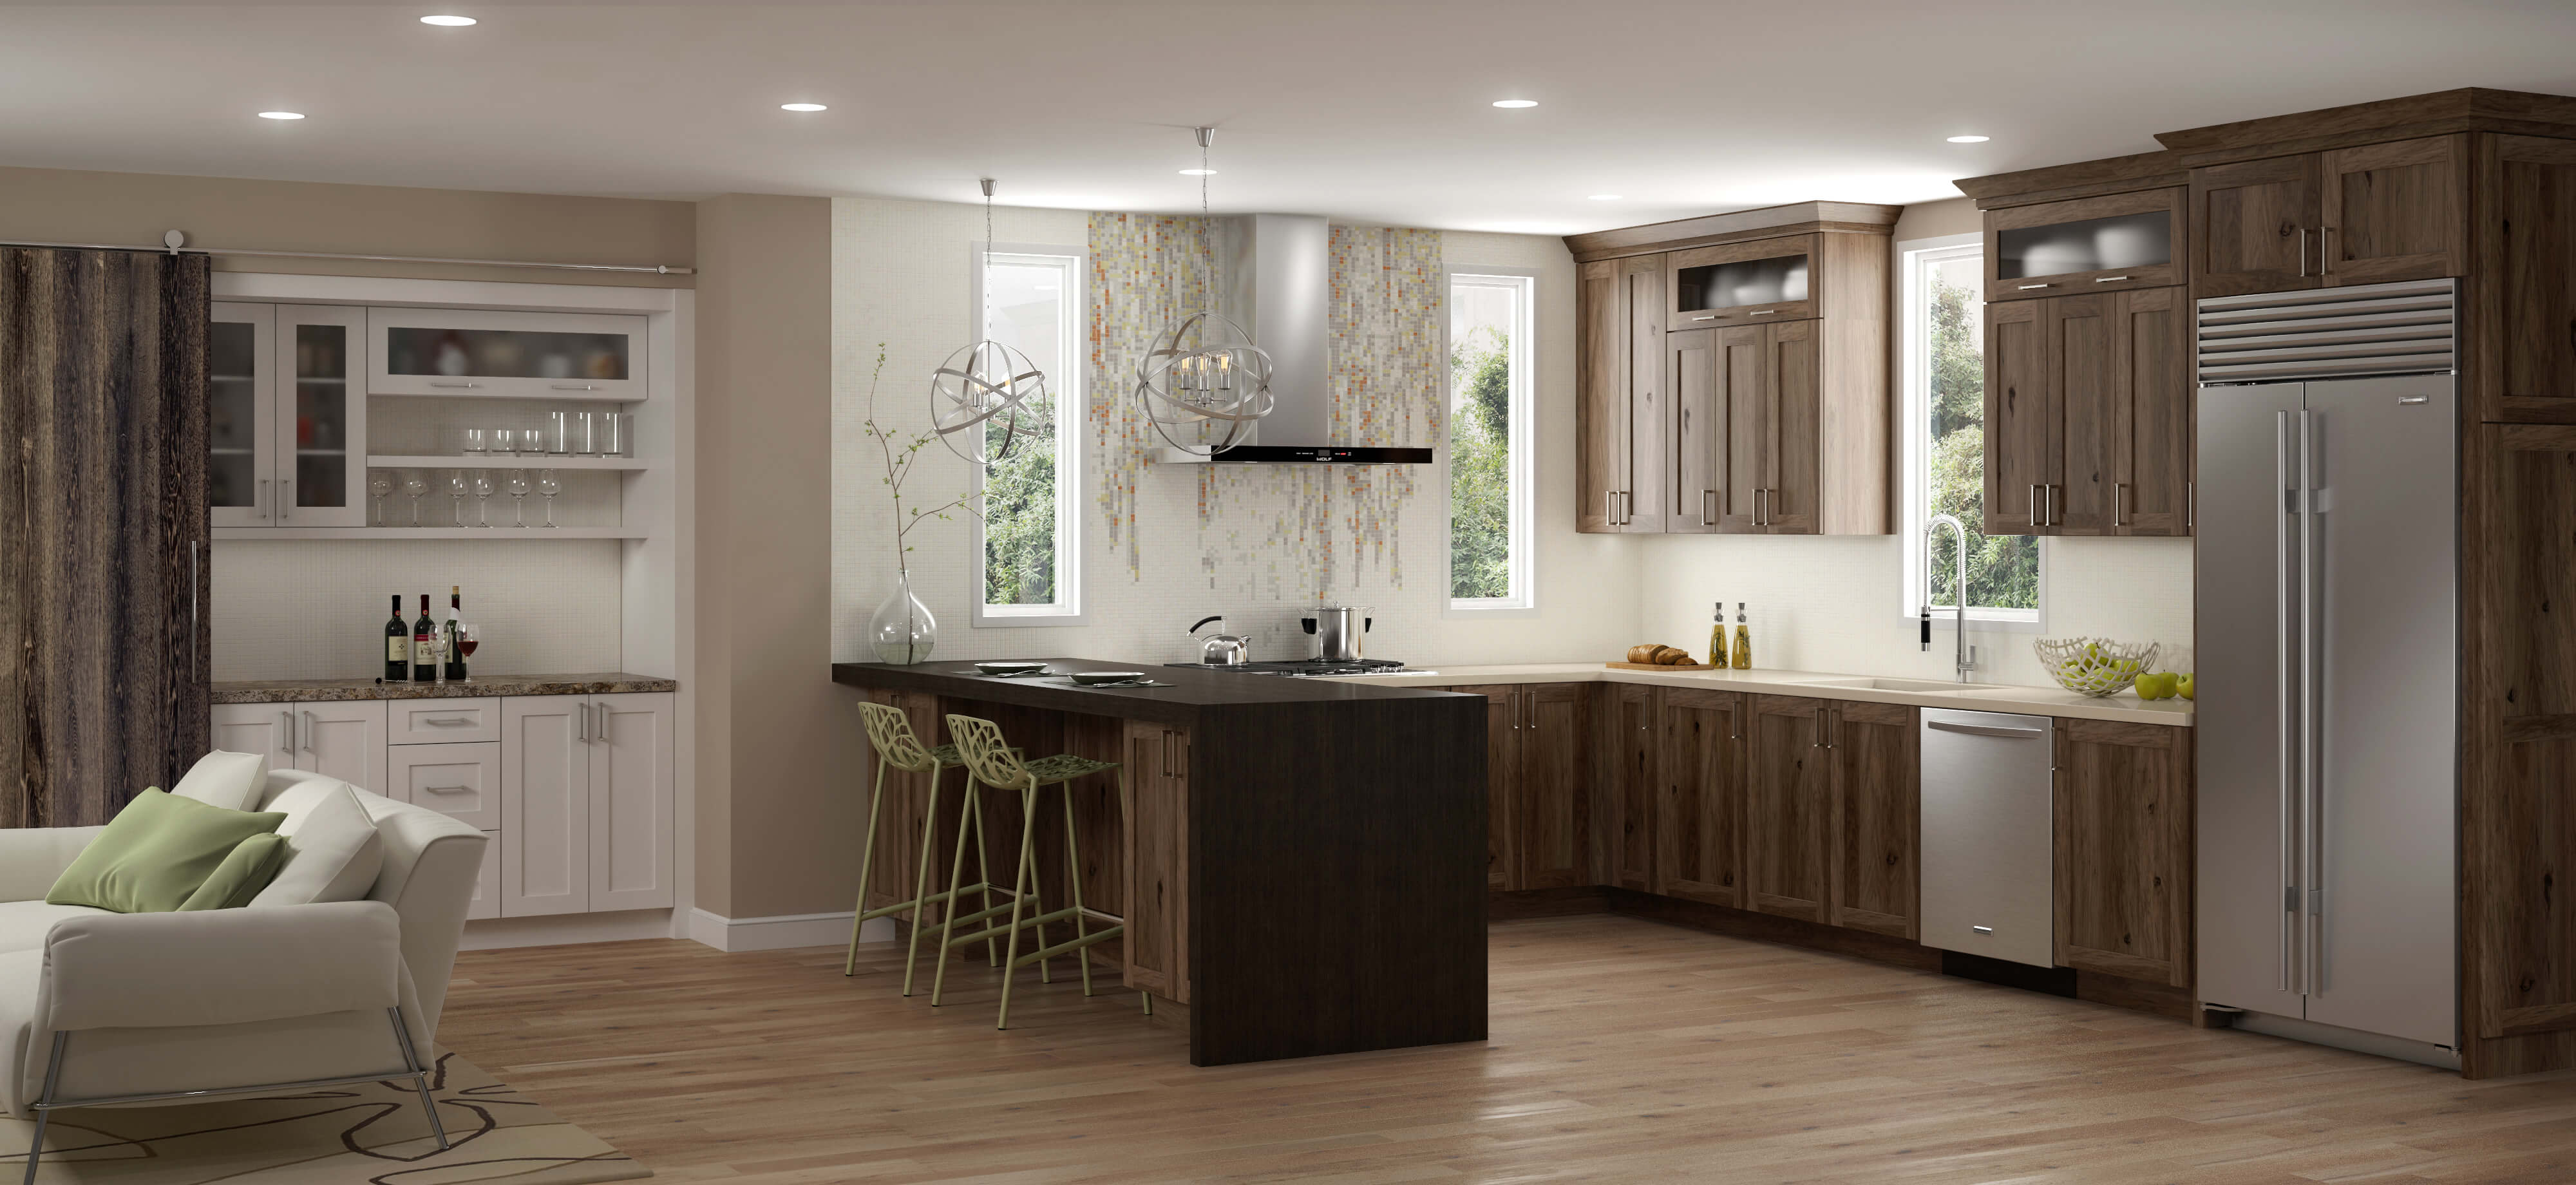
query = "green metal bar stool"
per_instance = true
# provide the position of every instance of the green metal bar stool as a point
(890, 733)
(992, 762)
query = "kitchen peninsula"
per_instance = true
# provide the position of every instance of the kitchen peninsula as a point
(1303, 859)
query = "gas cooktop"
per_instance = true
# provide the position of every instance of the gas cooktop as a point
(1308, 668)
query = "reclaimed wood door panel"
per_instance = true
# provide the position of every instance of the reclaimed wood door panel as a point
(1649, 464)
(2252, 226)
(2083, 387)
(1156, 826)
(1502, 772)
(1788, 805)
(1794, 469)
(1699, 810)
(2396, 211)
(1633, 770)
(1876, 832)
(2521, 323)
(2124, 850)
(2151, 450)
(1601, 426)
(2018, 426)
(1551, 822)
(1708, 367)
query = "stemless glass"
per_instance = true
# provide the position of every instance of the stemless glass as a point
(482, 501)
(380, 484)
(548, 486)
(504, 441)
(474, 446)
(532, 442)
(415, 483)
(519, 496)
(456, 488)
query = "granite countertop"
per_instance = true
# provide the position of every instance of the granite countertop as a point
(1184, 696)
(2035, 701)
(275, 691)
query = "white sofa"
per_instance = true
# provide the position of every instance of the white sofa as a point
(169, 1006)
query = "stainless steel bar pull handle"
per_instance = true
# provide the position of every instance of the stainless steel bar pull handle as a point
(2303, 252)
(305, 734)
(448, 722)
(2036, 287)
(2286, 732)
(259, 499)
(1988, 730)
(286, 736)
(440, 383)
(2108, 279)
(285, 498)
(449, 789)
(1761, 312)
(573, 386)
(2117, 489)
(2311, 794)
(2034, 504)
(1705, 317)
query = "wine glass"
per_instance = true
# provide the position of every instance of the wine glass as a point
(483, 499)
(548, 486)
(456, 488)
(465, 640)
(381, 485)
(519, 495)
(415, 483)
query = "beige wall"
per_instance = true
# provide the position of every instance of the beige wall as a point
(778, 805)
(75, 206)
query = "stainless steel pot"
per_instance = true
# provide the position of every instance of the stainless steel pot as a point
(1222, 650)
(1338, 630)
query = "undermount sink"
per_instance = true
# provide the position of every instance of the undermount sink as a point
(1912, 685)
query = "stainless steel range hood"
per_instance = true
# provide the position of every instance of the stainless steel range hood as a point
(1276, 276)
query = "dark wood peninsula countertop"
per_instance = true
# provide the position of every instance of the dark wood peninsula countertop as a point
(1332, 894)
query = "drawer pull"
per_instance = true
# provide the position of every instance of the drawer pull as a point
(470, 386)
(2108, 279)
(1983, 929)
(449, 789)
(1761, 312)
(574, 386)
(1708, 317)
(449, 722)
(2031, 287)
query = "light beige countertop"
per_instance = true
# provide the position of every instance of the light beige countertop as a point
(2125, 707)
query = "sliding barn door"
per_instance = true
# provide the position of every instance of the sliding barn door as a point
(103, 683)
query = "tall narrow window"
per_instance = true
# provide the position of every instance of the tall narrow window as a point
(1491, 318)
(1945, 442)
(1028, 557)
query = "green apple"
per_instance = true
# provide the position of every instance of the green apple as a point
(2155, 685)
(2184, 686)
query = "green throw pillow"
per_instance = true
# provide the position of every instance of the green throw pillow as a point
(155, 853)
(253, 863)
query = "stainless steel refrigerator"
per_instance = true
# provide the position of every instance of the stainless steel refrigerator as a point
(2328, 665)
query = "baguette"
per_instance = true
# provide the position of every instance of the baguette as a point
(1644, 653)
(1671, 656)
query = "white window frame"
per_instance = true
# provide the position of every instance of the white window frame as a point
(1917, 404)
(1522, 450)
(1066, 387)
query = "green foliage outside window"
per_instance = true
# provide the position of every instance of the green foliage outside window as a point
(1480, 523)
(2003, 570)
(1019, 512)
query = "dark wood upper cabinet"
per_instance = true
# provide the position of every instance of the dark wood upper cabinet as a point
(1631, 744)
(2022, 454)
(1876, 832)
(1621, 438)
(1713, 372)
(2362, 215)
(2521, 327)
(2081, 370)
(1742, 283)
(2151, 414)
(2096, 244)
(1551, 824)
(2088, 414)
(1788, 806)
(2254, 225)
(2124, 844)
(1699, 807)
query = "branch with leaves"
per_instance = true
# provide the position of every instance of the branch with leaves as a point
(901, 452)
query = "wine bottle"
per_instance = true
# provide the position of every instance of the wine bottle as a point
(397, 646)
(455, 615)
(424, 655)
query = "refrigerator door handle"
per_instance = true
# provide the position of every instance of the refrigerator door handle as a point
(2283, 526)
(2311, 797)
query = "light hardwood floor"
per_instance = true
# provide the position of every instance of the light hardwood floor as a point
(1622, 1050)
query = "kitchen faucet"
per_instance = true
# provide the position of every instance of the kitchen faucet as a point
(1959, 591)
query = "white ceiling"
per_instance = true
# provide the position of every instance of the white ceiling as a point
(1372, 112)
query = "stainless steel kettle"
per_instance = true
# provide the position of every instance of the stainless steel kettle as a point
(1337, 630)
(1222, 650)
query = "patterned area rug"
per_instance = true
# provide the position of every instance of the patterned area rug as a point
(343, 1135)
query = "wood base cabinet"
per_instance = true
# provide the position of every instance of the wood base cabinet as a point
(1157, 823)
(1699, 806)
(1538, 810)
(2124, 845)
(1629, 746)
(1788, 805)
(1877, 825)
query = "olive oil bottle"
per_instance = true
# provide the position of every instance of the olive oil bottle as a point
(1743, 659)
(1717, 636)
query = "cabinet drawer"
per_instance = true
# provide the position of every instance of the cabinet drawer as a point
(443, 721)
(462, 781)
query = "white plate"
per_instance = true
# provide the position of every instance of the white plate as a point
(1009, 668)
(1090, 677)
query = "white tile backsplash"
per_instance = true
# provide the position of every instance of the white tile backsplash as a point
(315, 609)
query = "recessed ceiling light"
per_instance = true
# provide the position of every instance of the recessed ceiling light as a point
(1969, 139)
(452, 22)
(1515, 103)
(1198, 172)
(802, 107)
(1607, 197)
(281, 115)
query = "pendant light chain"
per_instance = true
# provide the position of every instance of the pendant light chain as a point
(987, 379)
(1203, 382)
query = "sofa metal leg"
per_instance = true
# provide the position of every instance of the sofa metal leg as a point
(419, 1081)
(45, 1104)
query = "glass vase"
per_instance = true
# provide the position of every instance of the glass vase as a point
(902, 631)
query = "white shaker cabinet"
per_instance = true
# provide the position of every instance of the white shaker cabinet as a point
(461, 780)
(630, 801)
(545, 805)
(286, 416)
(344, 739)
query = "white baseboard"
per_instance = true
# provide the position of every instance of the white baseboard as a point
(783, 931)
(567, 929)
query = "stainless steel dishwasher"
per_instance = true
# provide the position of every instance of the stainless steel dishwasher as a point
(1989, 884)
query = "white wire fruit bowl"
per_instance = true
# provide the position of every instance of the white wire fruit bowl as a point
(2095, 666)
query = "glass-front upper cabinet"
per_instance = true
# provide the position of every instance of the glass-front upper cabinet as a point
(467, 352)
(2096, 244)
(286, 426)
(241, 415)
(1741, 283)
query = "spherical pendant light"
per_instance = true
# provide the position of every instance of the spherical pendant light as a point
(986, 385)
(1204, 382)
